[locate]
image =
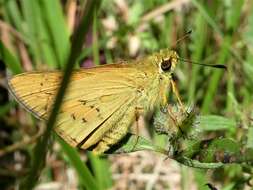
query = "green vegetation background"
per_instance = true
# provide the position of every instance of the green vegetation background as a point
(38, 37)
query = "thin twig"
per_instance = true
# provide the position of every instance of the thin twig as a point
(21, 42)
(160, 11)
(71, 14)
(23, 143)
(163, 9)
(6, 26)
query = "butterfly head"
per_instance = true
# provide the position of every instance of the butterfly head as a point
(167, 60)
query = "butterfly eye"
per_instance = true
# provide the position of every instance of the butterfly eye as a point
(166, 64)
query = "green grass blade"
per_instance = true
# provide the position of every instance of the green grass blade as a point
(54, 18)
(86, 179)
(223, 55)
(197, 48)
(206, 16)
(215, 122)
(101, 170)
(30, 12)
(14, 14)
(9, 59)
(215, 78)
(40, 149)
(44, 40)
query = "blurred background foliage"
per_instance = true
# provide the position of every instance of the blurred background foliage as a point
(36, 35)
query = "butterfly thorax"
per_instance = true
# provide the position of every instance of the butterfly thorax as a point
(157, 71)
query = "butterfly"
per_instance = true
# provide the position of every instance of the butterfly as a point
(101, 103)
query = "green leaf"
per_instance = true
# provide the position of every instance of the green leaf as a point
(215, 123)
(221, 150)
(133, 143)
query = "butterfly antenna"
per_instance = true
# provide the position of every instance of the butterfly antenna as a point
(186, 35)
(219, 66)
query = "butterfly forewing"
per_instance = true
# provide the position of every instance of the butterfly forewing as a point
(91, 104)
(36, 91)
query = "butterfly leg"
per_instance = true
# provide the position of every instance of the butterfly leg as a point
(138, 113)
(116, 133)
(175, 91)
(182, 108)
